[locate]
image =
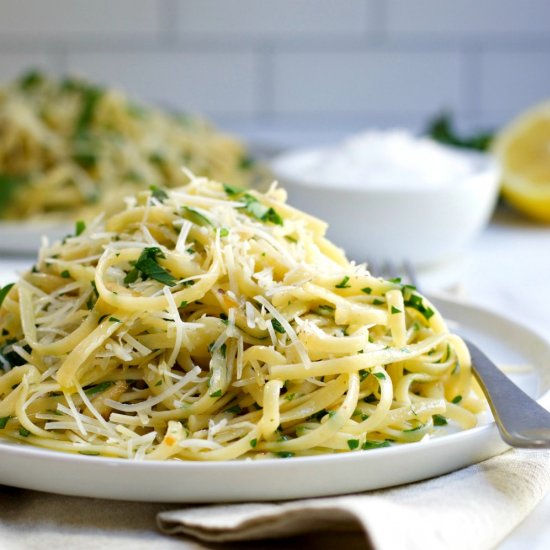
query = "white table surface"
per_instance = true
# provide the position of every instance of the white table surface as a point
(507, 270)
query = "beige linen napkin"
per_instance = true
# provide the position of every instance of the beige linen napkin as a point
(473, 508)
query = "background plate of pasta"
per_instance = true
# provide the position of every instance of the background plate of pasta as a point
(71, 149)
(207, 343)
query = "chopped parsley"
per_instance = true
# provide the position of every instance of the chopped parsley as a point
(457, 399)
(368, 445)
(257, 210)
(439, 420)
(3, 421)
(377, 302)
(89, 453)
(395, 280)
(65, 274)
(253, 442)
(80, 227)
(23, 432)
(380, 375)
(326, 311)
(395, 310)
(343, 283)
(233, 190)
(4, 292)
(277, 326)
(90, 99)
(366, 290)
(98, 388)
(415, 429)
(217, 393)
(183, 304)
(235, 409)
(196, 217)
(147, 267)
(114, 320)
(363, 374)
(353, 444)
(224, 231)
(284, 454)
(415, 301)
(158, 193)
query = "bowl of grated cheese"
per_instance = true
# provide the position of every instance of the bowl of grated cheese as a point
(391, 195)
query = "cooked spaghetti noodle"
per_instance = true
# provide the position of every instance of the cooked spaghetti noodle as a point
(210, 323)
(70, 149)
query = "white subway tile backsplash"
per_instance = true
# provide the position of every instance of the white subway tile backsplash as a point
(260, 18)
(304, 67)
(205, 82)
(13, 65)
(77, 18)
(391, 82)
(467, 17)
(513, 81)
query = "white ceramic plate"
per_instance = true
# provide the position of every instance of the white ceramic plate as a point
(26, 238)
(503, 339)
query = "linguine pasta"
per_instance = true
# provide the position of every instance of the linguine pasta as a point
(212, 323)
(70, 149)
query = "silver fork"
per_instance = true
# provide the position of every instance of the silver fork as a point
(521, 421)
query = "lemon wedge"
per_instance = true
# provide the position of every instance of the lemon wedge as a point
(523, 148)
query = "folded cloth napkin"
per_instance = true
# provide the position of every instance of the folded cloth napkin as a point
(474, 508)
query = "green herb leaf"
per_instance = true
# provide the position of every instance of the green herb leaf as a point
(4, 292)
(160, 194)
(224, 231)
(217, 393)
(147, 266)
(377, 302)
(89, 453)
(284, 454)
(457, 399)
(114, 320)
(98, 388)
(441, 129)
(3, 421)
(380, 375)
(8, 188)
(253, 443)
(65, 274)
(439, 420)
(30, 80)
(415, 301)
(80, 227)
(395, 310)
(353, 444)
(234, 410)
(196, 217)
(363, 374)
(366, 290)
(24, 432)
(368, 445)
(233, 190)
(91, 97)
(324, 310)
(277, 326)
(343, 283)
(261, 212)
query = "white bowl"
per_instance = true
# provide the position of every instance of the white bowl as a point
(424, 225)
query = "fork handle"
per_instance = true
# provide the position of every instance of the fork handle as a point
(522, 422)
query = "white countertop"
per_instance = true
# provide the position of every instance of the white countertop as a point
(507, 270)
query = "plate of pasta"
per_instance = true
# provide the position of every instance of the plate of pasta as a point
(72, 149)
(207, 343)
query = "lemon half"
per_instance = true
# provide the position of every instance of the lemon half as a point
(523, 148)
